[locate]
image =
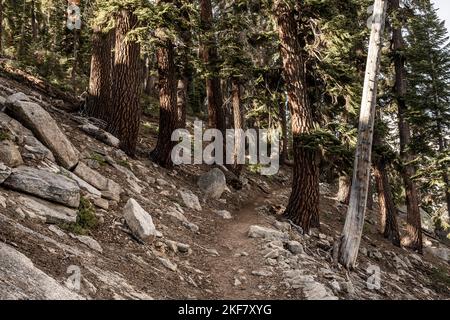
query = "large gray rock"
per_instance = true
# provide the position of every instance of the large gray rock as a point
(10, 154)
(21, 280)
(101, 135)
(91, 190)
(32, 147)
(139, 221)
(213, 183)
(442, 253)
(46, 130)
(5, 172)
(45, 185)
(109, 189)
(47, 211)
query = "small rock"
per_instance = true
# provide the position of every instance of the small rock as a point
(5, 172)
(262, 273)
(190, 200)
(56, 230)
(295, 247)
(266, 233)
(169, 265)
(10, 154)
(101, 203)
(348, 287)
(282, 226)
(139, 221)
(90, 242)
(224, 214)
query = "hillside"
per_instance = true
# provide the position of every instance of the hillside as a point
(234, 247)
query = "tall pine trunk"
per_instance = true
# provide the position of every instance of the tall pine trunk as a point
(354, 223)
(100, 84)
(284, 133)
(208, 51)
(413, 238)
(238, 121)
(168, 115)
(1, 27)
(303, 207)
(126, 91)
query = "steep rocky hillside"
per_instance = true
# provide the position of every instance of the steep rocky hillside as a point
(74, 209)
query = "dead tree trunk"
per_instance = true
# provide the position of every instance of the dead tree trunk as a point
(238, 123)
(303, 207)
(345, 183)
(354, 223)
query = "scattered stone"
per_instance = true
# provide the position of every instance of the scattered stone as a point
(169, 265)
(375, 254)
(100, 135)
(262, 273)
(5, 172)
(45, 185)
(335, 286)
(213, 252)
(224, 214)
(91, 190)
(162, 182)
(109, 189)
(295, 247)
(45, 128)
(56, 230)
(266, 233)
(190, 200)
(212, 183)
(101, 203)
(90, 242)
(21, 280)
(441, 253)
(282, 226)
(47, 211)
(10, 154)
(139, 221)
(348, 287)
(237, 282)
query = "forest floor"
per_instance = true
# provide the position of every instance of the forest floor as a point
(222, 262)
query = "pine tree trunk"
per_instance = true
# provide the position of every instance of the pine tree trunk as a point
(1, 27)
(126, 87)
(370, 196)
(345, 184)
(303, 207)
(238, 121)
(208, 50)
(388, 211)
(354, 223)
(168, 115)
(284, 141)
(100, 84)
(445, 178)
(413, 238)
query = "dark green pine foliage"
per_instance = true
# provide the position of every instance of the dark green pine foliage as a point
(428, 57)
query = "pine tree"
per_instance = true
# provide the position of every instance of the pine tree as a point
(303, 205)
(124, 120)
(429, 96)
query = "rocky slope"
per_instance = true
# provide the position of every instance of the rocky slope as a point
(81, 220)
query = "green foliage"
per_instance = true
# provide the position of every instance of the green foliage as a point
(98, 157)
(86, 219)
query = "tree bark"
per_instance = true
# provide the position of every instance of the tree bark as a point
(168, 115)
(354, 223)
(238, 121)
(303, 207)
(413, 239)
(1, 27)
(442, 148)
(388, 211)
(100, 84)
(208, 50)
(126, 110)
(34, 27)
(284, 141)
(345, 183)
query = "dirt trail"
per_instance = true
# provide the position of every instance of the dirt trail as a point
(240, 255)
